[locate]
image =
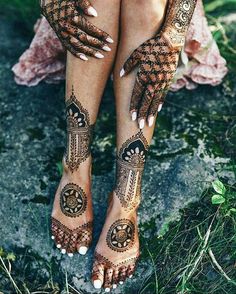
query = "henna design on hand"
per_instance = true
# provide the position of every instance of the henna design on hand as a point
(76, 33)
(73, 200)
(79, 133)
(129, 169)
(120, 236)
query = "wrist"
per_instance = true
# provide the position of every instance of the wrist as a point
(174, 39)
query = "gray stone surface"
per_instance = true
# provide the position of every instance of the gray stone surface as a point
(32, 137)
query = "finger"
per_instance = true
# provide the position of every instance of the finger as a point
(157, 103)
(79, 47)
(91, 29)
(130, 63)
(145, 104)
(87, 8)
(136, 98)
(91, 41)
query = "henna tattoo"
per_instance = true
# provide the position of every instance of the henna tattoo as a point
(79, 133)
(130, 164)
(73, 200)
(120, 236)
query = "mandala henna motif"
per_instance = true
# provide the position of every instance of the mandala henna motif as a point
(73, 200)
(79, 133)
(129, 169)
(120, 236)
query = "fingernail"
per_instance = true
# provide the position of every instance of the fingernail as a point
(150, 121)
(122, 72)
(99, 55)
(52, 237)
(76, 18)
(83, 57)
(70, 254)
(59, 246)
(109, 40)
(160, 107)
(97, 284)
(114, 286)
(134, 115)
(107, 289)
(83, 250)
(92, 11)
(131, 276)
(141, 124)
(106, 48)
(121, 282)
(63, 251)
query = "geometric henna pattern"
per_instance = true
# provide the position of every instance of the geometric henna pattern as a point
(120, 236)
(73, 200)
(129, 169)
(79, 133)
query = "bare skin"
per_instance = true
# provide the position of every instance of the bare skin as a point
(118, 246)
(72, 213)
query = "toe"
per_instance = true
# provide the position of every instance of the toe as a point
(98, 275)
(58, 234)
(130, 271)
(122, 275)
(72, 244)
(82, 249)
(108, 279)
(65, 243)
(116, 277)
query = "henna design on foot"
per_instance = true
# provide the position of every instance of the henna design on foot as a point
(120, 236)
(130, 164)
(79, 133)
(73, 200)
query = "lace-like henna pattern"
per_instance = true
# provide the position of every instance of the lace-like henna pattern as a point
(73, 200)
(80, 236)
(177, 21)
(127, 267)
(61, 15)
(120, 236)
(130, 164)
(79, 133)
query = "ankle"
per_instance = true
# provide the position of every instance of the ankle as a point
(121, 208)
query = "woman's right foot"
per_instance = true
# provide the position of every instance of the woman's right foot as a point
(72, 214)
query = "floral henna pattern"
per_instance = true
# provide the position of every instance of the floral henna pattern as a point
(68, 239)
(73, 200)
(130, 165)
(79, 133)
(120, 236)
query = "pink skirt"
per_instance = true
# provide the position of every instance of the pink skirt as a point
(200, 62)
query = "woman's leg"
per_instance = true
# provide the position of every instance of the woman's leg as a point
(118, 247)
(72, 214)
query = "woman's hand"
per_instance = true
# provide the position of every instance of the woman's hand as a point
(157, 63)
(75, 32)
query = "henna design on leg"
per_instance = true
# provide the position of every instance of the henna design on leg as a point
(79, 133)
(130, 164)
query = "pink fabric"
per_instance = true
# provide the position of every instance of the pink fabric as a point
(201, 62)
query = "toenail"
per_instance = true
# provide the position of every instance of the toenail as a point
(52, 237)
(114, 286)
(107, 289)
(97, 284)
(83, 250)
(131, 276)
(121, 282)
(58, 245)
(70, 254)
(63, 251)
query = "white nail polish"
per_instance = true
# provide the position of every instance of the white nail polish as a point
(107, 290)
(99, 55)
(83, 57)
(70, 254)
(134, 115)
(131, 276)
(109, 40)
(122, 72)
(76, 18)
(97, 284)
(58, 246)
(106, 48)
(52, 237)
(121, 282)
(63, 251)
(150, 121)
(92, 11)
(160, 107)
(83, 250)
(114, 286)
(141, 124)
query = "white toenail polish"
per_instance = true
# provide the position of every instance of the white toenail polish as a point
(63, 251)
(131, 276)
(107, 290)
(141, 124)
(52, 237)
(121, 282)
(114, 286)
(59, 246)
(159, 107)
(70, 254)
(83, 250)
(150, 121)
(97, 284)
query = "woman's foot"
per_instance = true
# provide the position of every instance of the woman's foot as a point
(72, 213)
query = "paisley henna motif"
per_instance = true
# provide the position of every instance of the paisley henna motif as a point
(79, 133)
(130, 164)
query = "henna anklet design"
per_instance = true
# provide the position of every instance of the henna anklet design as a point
(73, 200)
(130, 164)
(79, 133)
(120, 236)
